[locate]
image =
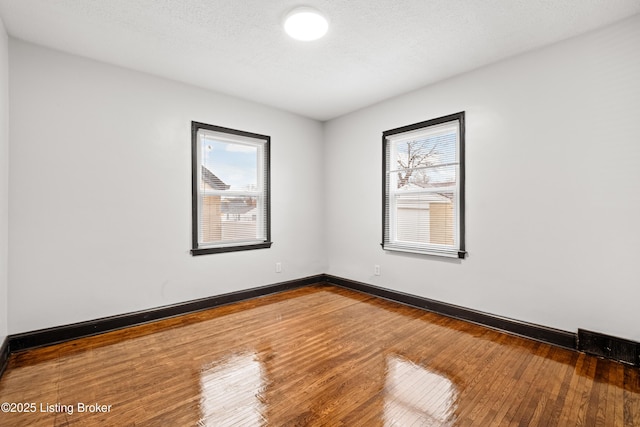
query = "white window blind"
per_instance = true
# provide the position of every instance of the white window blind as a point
(423, 188)
(231, 178)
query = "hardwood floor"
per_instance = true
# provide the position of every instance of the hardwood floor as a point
(316, 356)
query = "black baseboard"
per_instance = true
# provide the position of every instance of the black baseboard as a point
(528, 330)
(4, 355)
(619, 349)
(59, 334)
(609, 347)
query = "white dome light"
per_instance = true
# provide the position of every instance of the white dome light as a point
(306, 24)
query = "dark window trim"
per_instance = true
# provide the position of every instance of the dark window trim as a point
(236, 248)
(427, 123)
(195, 249)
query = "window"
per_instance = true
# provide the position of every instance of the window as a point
(423, 187)
(230, 190)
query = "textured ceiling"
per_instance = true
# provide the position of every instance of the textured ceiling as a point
(375, 49)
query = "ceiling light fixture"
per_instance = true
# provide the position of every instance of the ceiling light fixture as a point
(305, 24)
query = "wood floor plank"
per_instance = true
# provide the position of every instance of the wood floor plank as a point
(502, 396)
(567, 360)
(631, 398)
(316, 356)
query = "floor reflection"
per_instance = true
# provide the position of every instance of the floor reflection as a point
(232, 392)
(415, 396)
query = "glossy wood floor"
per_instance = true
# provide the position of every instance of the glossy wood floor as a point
(316, 356)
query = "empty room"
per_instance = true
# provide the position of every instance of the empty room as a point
(326, 213)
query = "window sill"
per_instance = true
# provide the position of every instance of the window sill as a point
(453, 253)
(222, 249)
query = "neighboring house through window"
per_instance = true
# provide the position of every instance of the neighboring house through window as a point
(230, 189)
(423, 187)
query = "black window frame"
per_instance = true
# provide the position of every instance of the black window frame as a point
(195, 214)
(460, 117)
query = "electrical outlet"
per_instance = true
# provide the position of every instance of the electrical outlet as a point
(278, 267)
(376, 270)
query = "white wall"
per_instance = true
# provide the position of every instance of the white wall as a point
(99, 186)
(4, 179)
(553, 157)
(100, 190)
